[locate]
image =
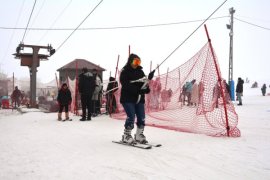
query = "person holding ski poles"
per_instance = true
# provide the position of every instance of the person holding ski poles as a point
(133, 98)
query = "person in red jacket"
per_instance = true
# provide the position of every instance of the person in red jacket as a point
(64, 100)
(16, 97)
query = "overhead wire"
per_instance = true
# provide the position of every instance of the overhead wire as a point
(252, 24)
(38, 12)
(253, 18)
(190, 35)
(56, 19)
(126, 27)
(36, 17)
(130, 27)
(13, 32)
(79, 25)
(116, 27)
(29, 20)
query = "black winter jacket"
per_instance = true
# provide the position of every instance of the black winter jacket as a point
(239, 86)
(130, 91)
(64, 96)
(86, 84)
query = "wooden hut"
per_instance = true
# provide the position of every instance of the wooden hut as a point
(75, 68)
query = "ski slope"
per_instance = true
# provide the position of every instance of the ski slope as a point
(34, 145)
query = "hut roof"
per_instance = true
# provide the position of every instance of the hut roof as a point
(81, 63)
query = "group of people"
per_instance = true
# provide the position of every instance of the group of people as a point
(217, 92)
(263, 88)
(132, 96)
(158, 97)
(90, 88)
(18, 97)
(190, 92)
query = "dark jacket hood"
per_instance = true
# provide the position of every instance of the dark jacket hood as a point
(112, 79)
(130, 59)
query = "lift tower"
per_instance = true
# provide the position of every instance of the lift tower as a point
(231, 82)
(32, 60)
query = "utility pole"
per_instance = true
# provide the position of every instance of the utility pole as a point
(32, 60)
(230, 79)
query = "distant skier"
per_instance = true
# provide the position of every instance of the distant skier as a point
(155, 93)
(129, 97)
(110, 97)
(263, 89)
(16, 97)
(95, 98)
(64, 100)
(239, 91)
(188, 87)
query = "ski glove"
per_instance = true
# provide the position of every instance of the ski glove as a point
(151, 75)
(144, 91)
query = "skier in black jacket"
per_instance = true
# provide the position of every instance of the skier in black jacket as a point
(86, 88)
(130, 94)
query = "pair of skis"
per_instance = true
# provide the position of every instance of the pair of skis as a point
(138, 145)
(63, 120)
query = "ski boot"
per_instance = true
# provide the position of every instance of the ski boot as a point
(83, 118)
(139, 136)
(89, 117)
(59, 117)
(127, 138)
(67, 117)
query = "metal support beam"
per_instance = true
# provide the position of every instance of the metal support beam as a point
(230, 79)
(32, 61)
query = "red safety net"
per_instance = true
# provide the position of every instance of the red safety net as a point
(205, 108)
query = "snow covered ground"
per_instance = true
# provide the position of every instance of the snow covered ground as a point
(34, 145)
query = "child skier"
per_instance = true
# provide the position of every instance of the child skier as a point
(64, 100)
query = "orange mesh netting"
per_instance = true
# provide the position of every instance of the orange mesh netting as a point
(200, 109)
